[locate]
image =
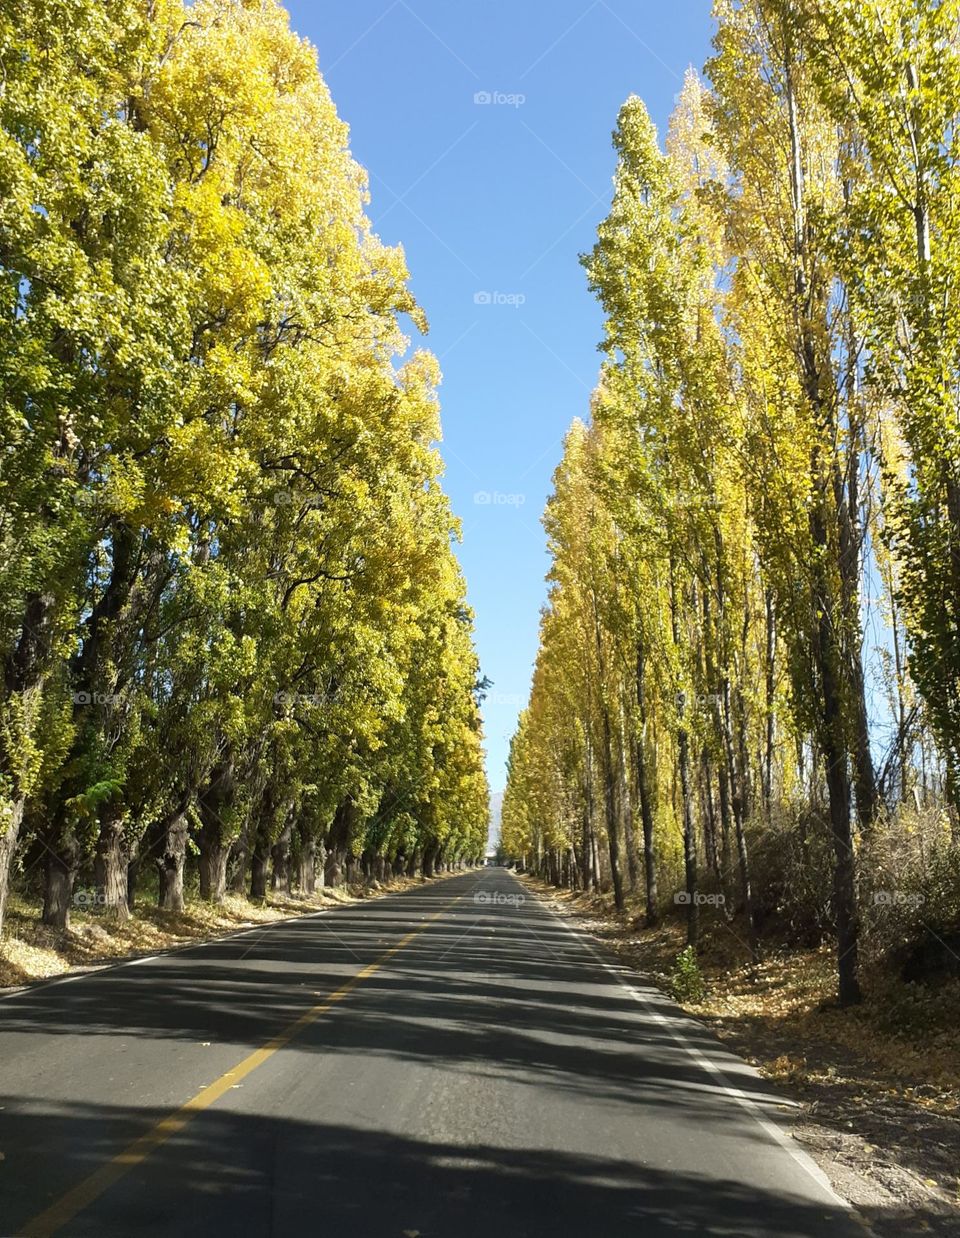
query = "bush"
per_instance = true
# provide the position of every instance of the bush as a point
(686, 980)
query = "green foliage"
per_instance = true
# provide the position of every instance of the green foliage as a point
(686, 980)
(772, 443)
(227, 586)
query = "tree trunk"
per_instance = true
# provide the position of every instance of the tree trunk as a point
(215, 839)
(770, 688)
(338, 838)
(280, 852)
(710, 847)
(686, 792)
(689, 834)
(8, 847)
(258, 873)
(170, 863)
(827, 653)
(610, 806)
(626, 803)
(112, 862)
(133, 878)
(213, 870)
(60, 871)
(645, 799)
(308, 866)
(739, 804)
(23, 672)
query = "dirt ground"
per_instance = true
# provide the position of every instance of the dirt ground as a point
(879, 1105)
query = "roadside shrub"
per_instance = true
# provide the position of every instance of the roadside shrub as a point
(686, 980)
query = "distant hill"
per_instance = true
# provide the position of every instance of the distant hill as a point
(493, 834)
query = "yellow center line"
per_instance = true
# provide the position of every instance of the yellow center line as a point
(91, 1188)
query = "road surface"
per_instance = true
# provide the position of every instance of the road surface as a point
(446, 1062)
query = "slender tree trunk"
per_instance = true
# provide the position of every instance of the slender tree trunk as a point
(827, 653)
(738, 804)
(609, 775)
(770, 689)
(689, 836)
(710, 846)
(629, 840)
(645, 799)
(133, 878)
(610, 805)
(686, 794)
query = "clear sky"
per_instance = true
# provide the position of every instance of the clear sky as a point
(485, 128)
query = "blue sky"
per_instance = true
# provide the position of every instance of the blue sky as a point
(485, 128)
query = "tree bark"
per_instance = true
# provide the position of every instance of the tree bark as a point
(645, 798)
(170, 863)
(24, 669)
(8, 848)
(213, 871)
(59, 871)
(112, 862)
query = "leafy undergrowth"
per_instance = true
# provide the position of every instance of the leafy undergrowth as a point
(879, 1084)
(29, 950)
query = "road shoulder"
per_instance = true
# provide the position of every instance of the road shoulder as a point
(868, 1142)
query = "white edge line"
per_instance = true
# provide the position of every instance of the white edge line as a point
(803, 1159)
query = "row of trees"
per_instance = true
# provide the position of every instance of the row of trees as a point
(231, 622)
(772, 463)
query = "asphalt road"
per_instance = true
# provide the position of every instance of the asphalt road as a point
(442, 1063)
